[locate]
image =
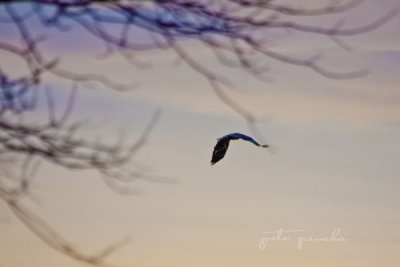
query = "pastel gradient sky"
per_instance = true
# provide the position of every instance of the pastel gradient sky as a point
(335, 164)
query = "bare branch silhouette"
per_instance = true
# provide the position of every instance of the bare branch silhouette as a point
(56, 141)
(233, 30)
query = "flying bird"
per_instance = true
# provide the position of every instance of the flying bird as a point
(223, 143)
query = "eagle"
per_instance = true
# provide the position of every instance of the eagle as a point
(223, 143)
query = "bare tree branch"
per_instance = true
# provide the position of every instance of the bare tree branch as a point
(56, 141)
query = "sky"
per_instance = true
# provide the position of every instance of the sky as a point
(326, 195)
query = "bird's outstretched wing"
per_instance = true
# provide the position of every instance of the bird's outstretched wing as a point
(245, 137)
(220, 150)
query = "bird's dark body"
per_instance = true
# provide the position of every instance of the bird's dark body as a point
(223, 143)
(219, 150)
